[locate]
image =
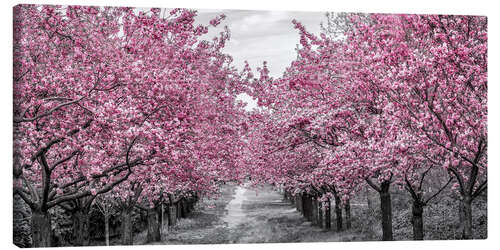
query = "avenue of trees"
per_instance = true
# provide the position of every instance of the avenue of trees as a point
(130, 113)
(383, 101)
(119, 102)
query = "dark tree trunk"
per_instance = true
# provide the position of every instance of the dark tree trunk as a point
(191, 204)
(167, 215)
(466, 206)
(292, 199)
(303, 201)
(178, 209)
(321, 222)
(161, 218)
(172, 220)
(127, 230)
(386, 208)
(81, 221)
(185, 209)
(338, 213)
(314, 211)
(153, 226)
(328, 216)
(417, 220)
(188, 206)
(347, 208)
(41, 229)
(307, 206)
(298, 203)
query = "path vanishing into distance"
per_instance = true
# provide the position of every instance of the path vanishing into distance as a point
(247, 215)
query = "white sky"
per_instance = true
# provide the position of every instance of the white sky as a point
(258, 36)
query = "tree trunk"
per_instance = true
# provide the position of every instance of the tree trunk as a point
(417, 220)
(369, 201)
(162, 219)
(184, 211)
(320, 214)
(167, 216)
(81, 221)
(347, 208)
(173, 215)
(178, 209)
(338, 213)
(386, 208)
(188, 206)
(302, 204)
(291, 198)
(106, 228)
(153, 227)
(307, 206)
(41, 229)
(328, 216)
(298, 203)
(127, 230)
(314, 211)
(466, 204)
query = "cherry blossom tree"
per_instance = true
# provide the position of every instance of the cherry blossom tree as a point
(430, 72)
(61, 73)
(367, 98)
(102, 91)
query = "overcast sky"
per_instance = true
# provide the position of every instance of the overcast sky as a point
(258, 36)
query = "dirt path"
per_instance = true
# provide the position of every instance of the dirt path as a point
(245, 215)
(256, 216)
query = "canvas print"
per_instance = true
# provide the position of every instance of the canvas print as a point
(141, 126)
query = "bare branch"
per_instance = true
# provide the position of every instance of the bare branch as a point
(64, 160)
(439, 191)
(480, 189)
(20, 120)
(104, 189)
(24, 197)
(367, 179)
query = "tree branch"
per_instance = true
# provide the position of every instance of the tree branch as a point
(422, 177)
(24, 197)
(475, 169)
(459, 179)
(480, 189)
(104, 189)
(21, 120)
(410, 189)
(43, 150)
(439, 191)
(367, 179)
(64, 160)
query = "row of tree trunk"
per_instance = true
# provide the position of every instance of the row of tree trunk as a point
(318, 213)
(308, 205)
(158, 216)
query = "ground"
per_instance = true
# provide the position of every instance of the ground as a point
(249, 215)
